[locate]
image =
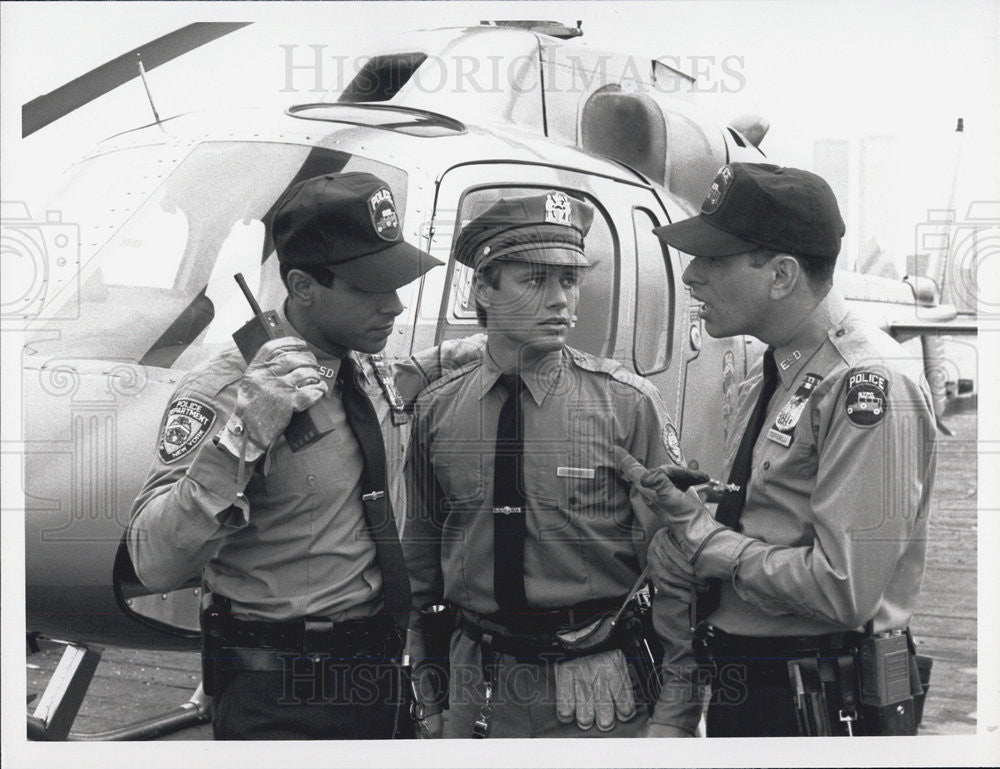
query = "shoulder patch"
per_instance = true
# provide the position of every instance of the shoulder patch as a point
(672, 443)
(188, 422)
(867, 399)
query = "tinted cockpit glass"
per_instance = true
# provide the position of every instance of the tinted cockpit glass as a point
(162, 231)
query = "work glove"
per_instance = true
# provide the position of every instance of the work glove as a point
(689, 522)
(594, 688)
(282, 378)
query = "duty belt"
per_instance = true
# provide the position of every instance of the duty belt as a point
(315, 635)
(715, 645)
(530, 635)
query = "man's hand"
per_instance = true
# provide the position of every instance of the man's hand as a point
(688, 521)
(594, 688)
(282, 378)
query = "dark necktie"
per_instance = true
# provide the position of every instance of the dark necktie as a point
(509, 502)
(379, 520)
(731, 505)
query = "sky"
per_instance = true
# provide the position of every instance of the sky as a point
(889, 78)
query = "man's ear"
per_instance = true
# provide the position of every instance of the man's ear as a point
(301, 286)
(482, 291)
(786, 273)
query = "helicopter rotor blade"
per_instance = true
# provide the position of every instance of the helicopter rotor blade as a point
(52, 106)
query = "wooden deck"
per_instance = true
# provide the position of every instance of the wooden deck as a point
(130, 685)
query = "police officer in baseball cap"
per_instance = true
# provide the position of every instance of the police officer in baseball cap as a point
(518, 518)
(298, 549)
(813, 560)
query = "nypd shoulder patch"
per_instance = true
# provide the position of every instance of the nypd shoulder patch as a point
(188, 422)
(867, 398)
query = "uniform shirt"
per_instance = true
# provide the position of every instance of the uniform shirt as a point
(835, 520)
(287, 537)
(583, 540)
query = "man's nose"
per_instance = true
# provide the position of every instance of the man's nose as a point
(690, 275)
(555, 293)
(392, 305)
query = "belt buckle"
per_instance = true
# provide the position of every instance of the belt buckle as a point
(317, 636)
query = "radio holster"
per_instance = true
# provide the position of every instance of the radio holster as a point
(214, 618)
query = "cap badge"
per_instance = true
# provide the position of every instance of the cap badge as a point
(718, 190)
(383, 213)
(558, 209)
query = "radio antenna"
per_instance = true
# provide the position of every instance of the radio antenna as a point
(142, 74)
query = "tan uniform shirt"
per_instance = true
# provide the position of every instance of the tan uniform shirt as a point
(835, 521)
(287, 537)
(583, 541)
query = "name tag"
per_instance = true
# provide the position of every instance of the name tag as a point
(779, 437)
(575, 472)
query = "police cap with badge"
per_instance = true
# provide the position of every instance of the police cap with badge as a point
(348, 224)
(541, 229)
(757, 205)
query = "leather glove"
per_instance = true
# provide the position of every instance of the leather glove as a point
(594, 688)
(689, 522)
(282, 378)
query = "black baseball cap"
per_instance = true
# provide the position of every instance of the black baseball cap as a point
(543, 229)
(348, 224)
(758, 205)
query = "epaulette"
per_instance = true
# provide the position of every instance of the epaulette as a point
(863, 343)
(613, 369)
(450, 377)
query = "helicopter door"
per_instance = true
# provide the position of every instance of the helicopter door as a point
(627, 302)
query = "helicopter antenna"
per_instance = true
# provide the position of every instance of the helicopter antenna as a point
(149, 95)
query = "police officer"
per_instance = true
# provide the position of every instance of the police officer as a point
(518, 518)
(298, 548)
(816, 553)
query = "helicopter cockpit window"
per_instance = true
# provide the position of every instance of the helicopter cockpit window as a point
(162, 232)
(595, 329)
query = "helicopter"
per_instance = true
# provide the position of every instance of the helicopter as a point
(156, 220)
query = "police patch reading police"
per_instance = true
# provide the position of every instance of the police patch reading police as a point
(188, 421)
(867, 398)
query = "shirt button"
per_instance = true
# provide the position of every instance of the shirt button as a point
(841, 332)
(311, 480)
(767, 465)
(238, 429)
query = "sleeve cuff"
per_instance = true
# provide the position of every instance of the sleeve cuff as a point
(219, 475)
(719, 554)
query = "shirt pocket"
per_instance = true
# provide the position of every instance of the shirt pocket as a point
(803, 459)
(462, 478)
(330, 463)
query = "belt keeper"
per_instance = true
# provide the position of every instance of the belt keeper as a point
(317, 636)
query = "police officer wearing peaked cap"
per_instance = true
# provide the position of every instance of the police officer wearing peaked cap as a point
(518, 518)
(298, 548)
(816, 553)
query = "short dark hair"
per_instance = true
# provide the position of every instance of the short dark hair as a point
(320, 274)
(489, 274)
(818, 270)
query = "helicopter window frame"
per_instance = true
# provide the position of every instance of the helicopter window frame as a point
(655, 288)
(456, 320)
